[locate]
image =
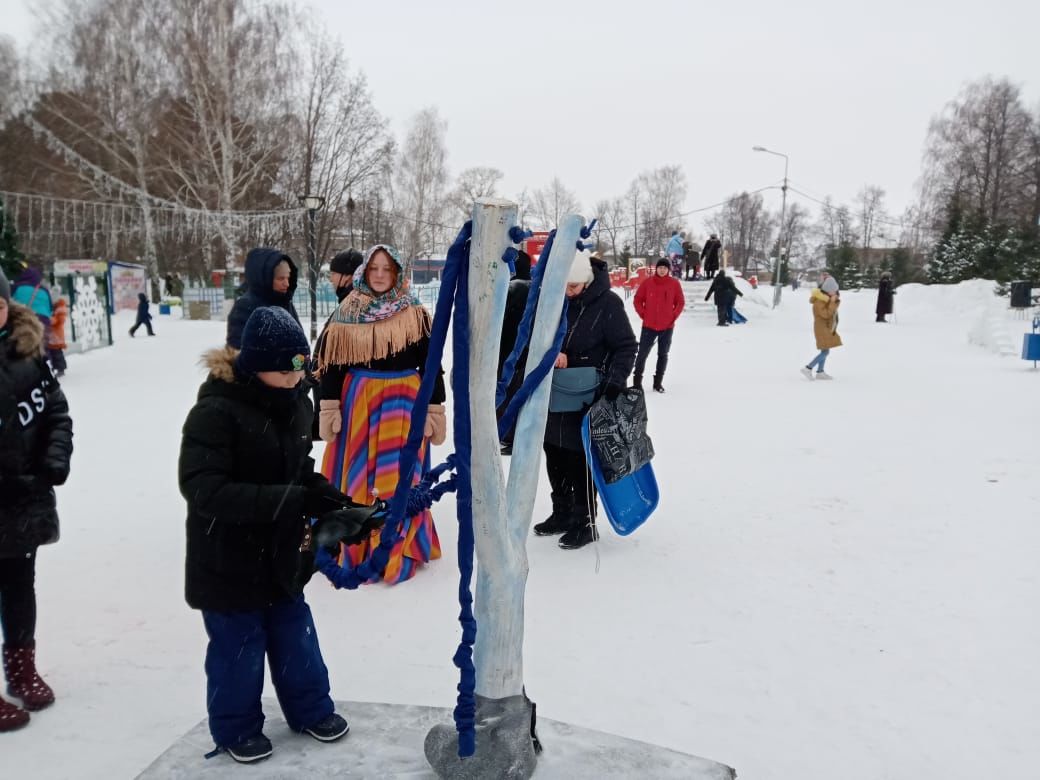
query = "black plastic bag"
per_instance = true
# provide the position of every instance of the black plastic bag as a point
(618, 432)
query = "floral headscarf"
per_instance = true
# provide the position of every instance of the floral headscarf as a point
(365, 305)
(369, 325)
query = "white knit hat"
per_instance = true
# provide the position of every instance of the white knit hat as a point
(581, 268)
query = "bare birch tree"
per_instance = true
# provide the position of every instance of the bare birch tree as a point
(550, 203)
(231, 64)
(473, 183)
(977, 151)
(421, 179)
(612, 227)
(870, 200)
(661, 193)
(342, 143)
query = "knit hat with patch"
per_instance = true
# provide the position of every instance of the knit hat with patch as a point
(272, 341)
(665, 263)
(581, 268)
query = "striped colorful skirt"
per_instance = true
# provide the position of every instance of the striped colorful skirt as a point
(362, 461)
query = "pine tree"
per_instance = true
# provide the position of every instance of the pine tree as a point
(10, 257)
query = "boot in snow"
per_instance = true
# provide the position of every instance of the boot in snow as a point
(552, 525)
(22, 680)
(823, 375)
(12, 716)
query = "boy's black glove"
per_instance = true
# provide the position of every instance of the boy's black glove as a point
(322, 498)
(350, 525)
(612, 391)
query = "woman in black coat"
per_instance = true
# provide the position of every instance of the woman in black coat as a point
(35, 450)
(598, 335)
(884, 297)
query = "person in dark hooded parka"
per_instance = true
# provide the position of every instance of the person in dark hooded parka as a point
(35, 451)
(271, 278)
(598, 335)
(516, 302)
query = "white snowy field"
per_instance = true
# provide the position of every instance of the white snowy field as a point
(841, 580)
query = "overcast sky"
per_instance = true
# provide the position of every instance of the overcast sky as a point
(596, 92)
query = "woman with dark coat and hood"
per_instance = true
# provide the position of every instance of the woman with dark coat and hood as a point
(598, 335)
(725, 291)
(884, 297)
(370, 363)
(35, 451)
(271, 278)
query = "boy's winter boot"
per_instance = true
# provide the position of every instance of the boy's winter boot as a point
(11, 716)
(637, 381)
(329, 729)
(250, 750)
(22, 680)
(658, 387)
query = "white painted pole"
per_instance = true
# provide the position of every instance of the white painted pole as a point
(502, 516)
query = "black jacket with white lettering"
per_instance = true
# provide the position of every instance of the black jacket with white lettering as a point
(35, 437)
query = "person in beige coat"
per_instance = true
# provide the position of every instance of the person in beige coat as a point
(825, 302)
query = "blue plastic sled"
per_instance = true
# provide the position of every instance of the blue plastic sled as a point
(736, 317)
(627, 502)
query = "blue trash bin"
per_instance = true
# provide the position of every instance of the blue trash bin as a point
(1031, 343)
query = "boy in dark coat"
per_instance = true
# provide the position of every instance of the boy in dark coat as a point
(600, 335)
(251, 488)
(725, 291)
(35, 450)
(271, 278)
(143, 317)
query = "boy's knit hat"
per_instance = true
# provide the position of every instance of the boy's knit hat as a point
(5, 287)
(663, 262)
(829, 285)
(272, 341)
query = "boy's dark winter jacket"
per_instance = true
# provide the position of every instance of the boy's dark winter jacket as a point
(725, 291)
(35, 438)
(244, 470)
(142, 308)
(260, 265)
(598, 334)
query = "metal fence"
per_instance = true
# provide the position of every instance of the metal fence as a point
(325, 299)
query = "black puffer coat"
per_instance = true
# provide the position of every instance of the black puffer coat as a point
(598, 334)
(725, 291)
(35, 438)
(260, 265)
(244, 468)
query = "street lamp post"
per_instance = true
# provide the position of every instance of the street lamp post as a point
(780, 238)
(312, 203)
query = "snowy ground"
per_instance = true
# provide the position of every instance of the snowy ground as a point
(841, 580)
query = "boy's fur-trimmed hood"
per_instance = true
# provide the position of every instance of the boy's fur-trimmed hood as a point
(221, 363)
(26, 331)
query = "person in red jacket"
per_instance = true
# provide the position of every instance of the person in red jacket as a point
(659, 302)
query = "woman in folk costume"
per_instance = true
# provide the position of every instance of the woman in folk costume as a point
(370, 364)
